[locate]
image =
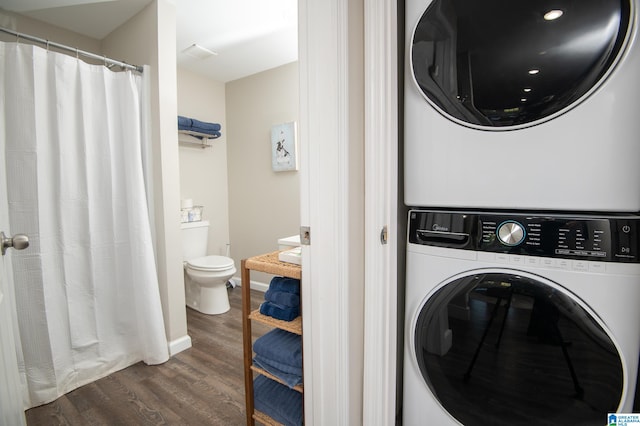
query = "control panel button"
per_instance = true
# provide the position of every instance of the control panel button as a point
(597, 267)
(532, 261)
(511, 233)
(581, 265)
(516, 260)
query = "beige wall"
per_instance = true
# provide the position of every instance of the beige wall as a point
(203, 171)
(263, 205)
(26, 25)
(150, 38)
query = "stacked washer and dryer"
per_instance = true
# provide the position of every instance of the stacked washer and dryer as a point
(522, 144)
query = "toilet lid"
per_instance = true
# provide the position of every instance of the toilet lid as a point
(211, 263)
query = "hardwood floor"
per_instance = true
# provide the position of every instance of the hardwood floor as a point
(203, 385)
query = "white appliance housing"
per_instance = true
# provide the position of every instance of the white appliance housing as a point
(583, 156)
(597, 303)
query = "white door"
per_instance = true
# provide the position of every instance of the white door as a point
(11, 407)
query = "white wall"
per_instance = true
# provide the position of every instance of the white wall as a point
(263, 205)
(203, 171)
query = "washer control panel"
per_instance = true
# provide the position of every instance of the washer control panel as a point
(612, 238)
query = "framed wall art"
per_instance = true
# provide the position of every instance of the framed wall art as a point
(283, 147)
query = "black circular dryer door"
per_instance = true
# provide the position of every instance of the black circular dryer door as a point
(504, 349)
(497, 64)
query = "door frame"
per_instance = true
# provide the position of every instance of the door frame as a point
(348, 118)
(332, 205)
(381, 211)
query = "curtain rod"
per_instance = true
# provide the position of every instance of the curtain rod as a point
(77, 51)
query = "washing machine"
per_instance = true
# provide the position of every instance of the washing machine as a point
(520, 319)
(522, 104)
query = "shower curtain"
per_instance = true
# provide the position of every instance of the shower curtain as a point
(86, 289)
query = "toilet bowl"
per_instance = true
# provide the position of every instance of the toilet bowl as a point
(205, 277)
(206, 283)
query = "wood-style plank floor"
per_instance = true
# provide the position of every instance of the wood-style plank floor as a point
(203, 385)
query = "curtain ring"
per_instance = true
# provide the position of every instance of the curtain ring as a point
(47, 45)
(77, 54)
(104, 58)
(18, 38)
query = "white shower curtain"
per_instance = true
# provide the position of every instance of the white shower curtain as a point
(86, 289)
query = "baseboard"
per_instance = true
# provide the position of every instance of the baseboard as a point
(178, 345)
(255, 285)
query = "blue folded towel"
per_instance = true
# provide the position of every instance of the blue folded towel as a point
(277, 401)
(280, 366)
(284, 314)
(291, 376)
(210, 127)
(190, 124)
(280, 346)
(183, 122)
(282, 299)
(288, 285)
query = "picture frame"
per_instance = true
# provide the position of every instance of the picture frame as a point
(284, 153)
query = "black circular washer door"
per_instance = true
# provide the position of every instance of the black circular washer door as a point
(499, 348)
(502, 64)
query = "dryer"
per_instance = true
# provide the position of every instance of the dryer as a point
(515, 318)
(522, 105)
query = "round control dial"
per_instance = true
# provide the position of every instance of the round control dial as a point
(511, 233)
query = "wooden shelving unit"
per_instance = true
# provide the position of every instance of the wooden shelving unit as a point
(270, 264)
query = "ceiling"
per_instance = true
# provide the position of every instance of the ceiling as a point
(249, 36)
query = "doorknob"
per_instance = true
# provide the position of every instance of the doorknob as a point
(18, 242)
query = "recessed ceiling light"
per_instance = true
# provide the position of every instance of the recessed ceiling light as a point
(533, 71)
(199, 52)
(527, 89)
(523, 99)
(553, 14)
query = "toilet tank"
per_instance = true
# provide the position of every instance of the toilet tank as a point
(195, 236)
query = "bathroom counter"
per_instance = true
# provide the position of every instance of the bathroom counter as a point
(268, 263)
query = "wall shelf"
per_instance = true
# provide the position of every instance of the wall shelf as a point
(189, 137)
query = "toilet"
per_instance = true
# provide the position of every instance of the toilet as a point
(205, 276)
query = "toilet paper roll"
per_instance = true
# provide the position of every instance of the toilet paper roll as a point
(187, 203)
